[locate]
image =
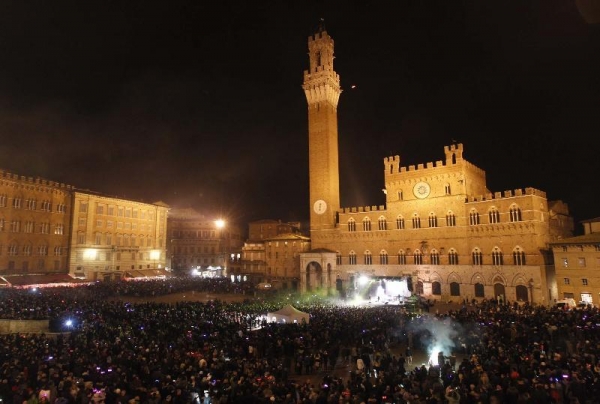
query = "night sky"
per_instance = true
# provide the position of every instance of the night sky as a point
(199, 104)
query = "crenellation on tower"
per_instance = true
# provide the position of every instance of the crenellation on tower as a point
(391, 164)
(454, 153)
(363, 209)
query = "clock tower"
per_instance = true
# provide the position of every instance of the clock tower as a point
(322, 89)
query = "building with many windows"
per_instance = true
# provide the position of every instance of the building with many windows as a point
(441, 229)
(35, 221)
(113, 238)
(578, 265)
(206, 246)
(271, 253)
(51, 228)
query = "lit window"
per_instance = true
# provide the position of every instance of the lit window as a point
(450, 219)
(497, 257)
(518, 257)
(515, 214)
(351, 224)
(416, 222)
(400, 223)
(383, 258)
(452, 257)
(477, 257)
(401, 258)
(494, 215)
(418, 257)
(473, 217)
(352, 258)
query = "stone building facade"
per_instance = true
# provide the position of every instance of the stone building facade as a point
(271, 253)
(52, 228)
(202, 244)
(441, 228)
(34, 225)
(113, 238)
(578, 265)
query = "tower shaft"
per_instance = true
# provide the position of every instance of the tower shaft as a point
(322, 89)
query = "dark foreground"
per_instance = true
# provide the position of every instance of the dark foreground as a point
(198, 346)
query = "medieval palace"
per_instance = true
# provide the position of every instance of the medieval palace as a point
(441, 228)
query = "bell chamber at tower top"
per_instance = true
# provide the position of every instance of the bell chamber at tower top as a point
(320, 50)
(321, 83)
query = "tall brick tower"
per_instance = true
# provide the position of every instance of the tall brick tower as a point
(322, 89)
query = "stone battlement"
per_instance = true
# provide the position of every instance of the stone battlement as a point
(319, 35)
(453, 156)
(33, 181)
(507, 194)
(364, 209)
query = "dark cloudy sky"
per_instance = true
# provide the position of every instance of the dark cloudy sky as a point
(199, 104)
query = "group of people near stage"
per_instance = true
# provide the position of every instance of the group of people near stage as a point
(115, 351)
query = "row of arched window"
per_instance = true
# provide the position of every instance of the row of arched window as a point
(514, 215)
(434, 257)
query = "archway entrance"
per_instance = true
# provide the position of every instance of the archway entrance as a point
(499, 292)
(313, 277)
(522, 293)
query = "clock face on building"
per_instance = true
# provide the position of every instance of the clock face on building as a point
(421, 190)
(320, 207)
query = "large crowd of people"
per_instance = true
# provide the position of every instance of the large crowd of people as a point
(115, 351)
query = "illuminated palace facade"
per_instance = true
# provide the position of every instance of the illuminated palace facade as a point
(113, 238)
(52, 228)
(440, 228)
